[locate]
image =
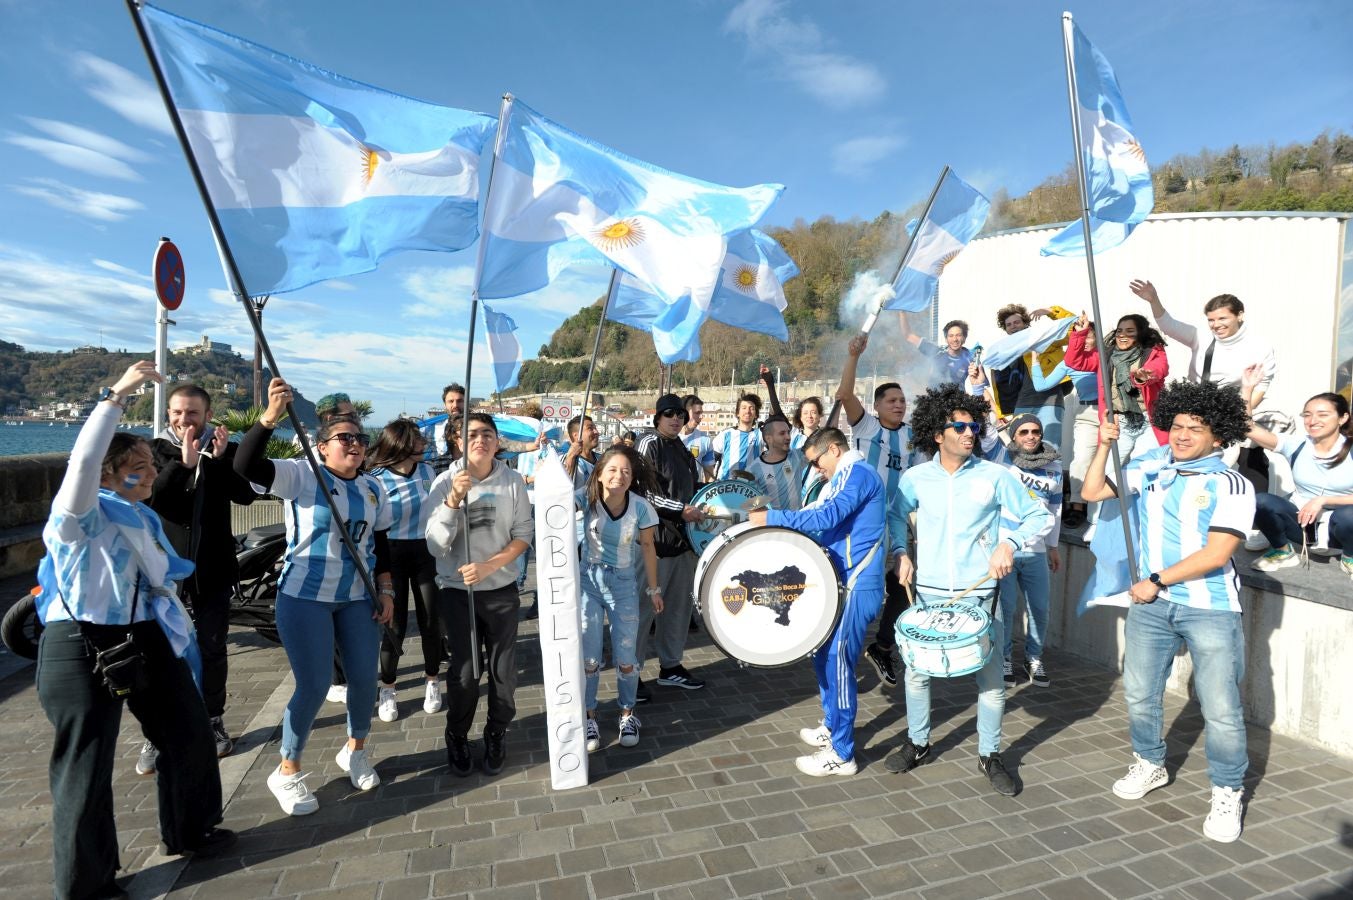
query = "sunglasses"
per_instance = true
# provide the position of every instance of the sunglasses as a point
(1028, 431)
(960, 427)
(348, 438)
(670, 413)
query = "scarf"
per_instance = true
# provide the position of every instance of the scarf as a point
(1125, 395)
(1206, 465)
(1030, 462)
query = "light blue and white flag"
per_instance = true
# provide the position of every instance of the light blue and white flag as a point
(956, 216)
(504, 348)
(1041, 334)
(750, 295)
(558, 198)
(312, 175)
(1118, 180)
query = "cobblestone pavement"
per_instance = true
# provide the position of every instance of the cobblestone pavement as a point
(710, 804)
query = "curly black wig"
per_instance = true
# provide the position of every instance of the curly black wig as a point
(1220, 408)
(936, 407)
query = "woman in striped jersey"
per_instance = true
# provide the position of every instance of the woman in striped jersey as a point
(321, 599)
(619, 528)
(396, 458)
(807, 419)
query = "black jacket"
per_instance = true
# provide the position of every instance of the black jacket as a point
(678, 478)
(195, 508)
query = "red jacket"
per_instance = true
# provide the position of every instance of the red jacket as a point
(1086, 359)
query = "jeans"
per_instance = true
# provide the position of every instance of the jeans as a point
(496, 627)
(211, 614)
(413, 569)
(1276, 517)
(86, 719)
(610, 591)
(1031, 576)
(309, 630)
(1134, 440)
(1050, 415)
(675, 576)
(1216, 642)
(990, 692)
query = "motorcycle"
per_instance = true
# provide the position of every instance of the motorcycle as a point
(259, 558)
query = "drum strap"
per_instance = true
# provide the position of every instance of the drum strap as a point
(864, 564)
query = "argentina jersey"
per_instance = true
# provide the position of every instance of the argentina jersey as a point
(614, 540)
(407, 495)
(1176, 514)
(317, 565)
(885, 450)
(736, 450)
(782, 482)
(701, 446)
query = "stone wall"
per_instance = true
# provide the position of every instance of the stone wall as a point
(27, 486)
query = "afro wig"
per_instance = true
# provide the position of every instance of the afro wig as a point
(936, 407)
(1216, 406)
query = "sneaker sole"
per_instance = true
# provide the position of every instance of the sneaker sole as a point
(685, 686)
(629, 742)
(849, 768)
(1137, 795)
(146, 773)
(1289, 563)
(393, 718)
(222, 754)
(1220, 838)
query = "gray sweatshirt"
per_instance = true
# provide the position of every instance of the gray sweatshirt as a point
(499, 513)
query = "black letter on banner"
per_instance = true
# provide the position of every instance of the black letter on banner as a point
(564, 698)
(569, 762)
(556, 517)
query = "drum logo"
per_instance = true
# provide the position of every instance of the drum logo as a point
(734, 598)
(776, 591)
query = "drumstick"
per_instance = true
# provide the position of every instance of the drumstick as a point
(972, 588)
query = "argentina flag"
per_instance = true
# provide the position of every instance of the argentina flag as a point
(955, 217)
(313, 175)
(1118, 180)
(750, 295)
(558, 198)
(504, 348)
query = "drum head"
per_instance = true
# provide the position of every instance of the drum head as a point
(768, 596)
(724, 503)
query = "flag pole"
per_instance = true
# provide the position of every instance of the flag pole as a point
(611, 290)
(503, 111)
(1073, 98)
(232, 272)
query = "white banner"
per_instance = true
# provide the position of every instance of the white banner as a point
(560, 623)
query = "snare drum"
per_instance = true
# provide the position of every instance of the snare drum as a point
(944, 640)
(724, 504)
(768, 596)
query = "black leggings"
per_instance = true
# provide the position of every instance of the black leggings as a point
(414, 570)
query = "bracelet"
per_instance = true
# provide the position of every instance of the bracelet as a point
(386, 590)
(266, 424)
(654, 591)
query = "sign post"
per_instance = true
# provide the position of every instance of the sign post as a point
(167, 268)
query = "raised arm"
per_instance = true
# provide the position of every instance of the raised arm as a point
(251, 461)
(845, 391)
(79, 489)
(1172, 327)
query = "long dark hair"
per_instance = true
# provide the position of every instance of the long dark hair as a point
(642, 480)
(798, 411)
(1147, 337)
(1340, 405)
(396, 442)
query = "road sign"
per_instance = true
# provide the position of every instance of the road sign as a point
(556, 409)
(169, 277)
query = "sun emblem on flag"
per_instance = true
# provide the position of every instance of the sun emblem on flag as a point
(369, 161)
(745, 278)
(944, 261)
(620, 234)
(1135, 150)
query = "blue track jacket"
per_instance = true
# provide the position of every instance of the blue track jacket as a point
(848, 521)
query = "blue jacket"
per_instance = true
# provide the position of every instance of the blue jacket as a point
(958, 520)
(848, 518)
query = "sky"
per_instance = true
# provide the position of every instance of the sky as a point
(854, 105)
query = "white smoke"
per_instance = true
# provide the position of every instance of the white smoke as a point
(864, 298)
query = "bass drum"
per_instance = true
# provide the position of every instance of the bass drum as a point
(724, 504)
(768, 596)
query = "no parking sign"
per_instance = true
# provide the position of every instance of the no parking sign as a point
(556, 409)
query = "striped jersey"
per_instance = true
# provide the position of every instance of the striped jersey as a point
(782, 482)
(614, 540)
(1177, 512)
(317, 566)
(885, 449)
(408, 500)
(797, 439)
(95, 569)
(736, 450)
(701, 446)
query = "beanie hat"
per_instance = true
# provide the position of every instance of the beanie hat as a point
(668, 402)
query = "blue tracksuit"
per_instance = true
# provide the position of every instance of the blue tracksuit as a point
(848, 520)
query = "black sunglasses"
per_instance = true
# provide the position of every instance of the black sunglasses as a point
(348, 438)
(960, 427)
(669, 413)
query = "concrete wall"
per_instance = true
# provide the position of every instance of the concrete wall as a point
(27, 485)
(1296, 647)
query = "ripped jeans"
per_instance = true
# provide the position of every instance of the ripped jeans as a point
(609, 590)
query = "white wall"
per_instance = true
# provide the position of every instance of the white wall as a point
(1285, 269)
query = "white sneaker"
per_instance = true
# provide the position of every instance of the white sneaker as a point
(432, 697)
(338, 693)
(1277, 558)
(1256, 542)
(629, 729)
(358, 766)
(388, 706)
(1141, 779)
(1223, 822)
(291, 792)
(825, 762)
(816, 737)
(593, 731)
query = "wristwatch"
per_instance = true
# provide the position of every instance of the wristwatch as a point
(110, 394)
(1154, 578)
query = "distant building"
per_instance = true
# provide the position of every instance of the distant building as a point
(206, 346)
(86, 350)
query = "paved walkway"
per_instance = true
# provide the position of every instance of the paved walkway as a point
(710, 804)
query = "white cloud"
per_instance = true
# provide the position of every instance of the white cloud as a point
(87, 138)
(340, 286)
(46, 304)
(438, 292)
(73, 156)
(801, 55)
(116, 269)
(131, 96)
(94, 205)
(858, 156)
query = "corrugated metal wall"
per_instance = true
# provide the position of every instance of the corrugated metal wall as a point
(1285, 269)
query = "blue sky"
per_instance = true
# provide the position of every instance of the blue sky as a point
(854, 105)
